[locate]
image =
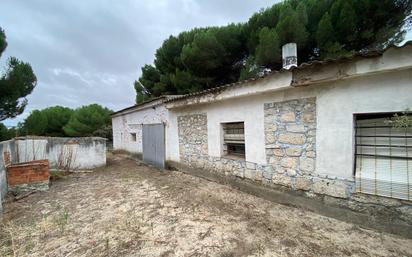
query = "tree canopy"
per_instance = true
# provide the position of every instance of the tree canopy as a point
(36, 123)
(16, 83)
(57, 117)
(203, 58)
(6, 133)
(87, 119)
(58, 121)
(46, 122)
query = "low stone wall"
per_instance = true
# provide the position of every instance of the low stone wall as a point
(28, 176)
(264, 174)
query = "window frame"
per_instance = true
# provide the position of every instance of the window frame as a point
(392, 153)
(234, 145)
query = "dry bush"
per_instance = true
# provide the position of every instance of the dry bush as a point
(66, 158)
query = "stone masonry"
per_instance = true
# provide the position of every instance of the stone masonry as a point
(290, 134)
(192, 138)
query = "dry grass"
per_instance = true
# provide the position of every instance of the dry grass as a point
(128, 209)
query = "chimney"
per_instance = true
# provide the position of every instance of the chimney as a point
(289, 56)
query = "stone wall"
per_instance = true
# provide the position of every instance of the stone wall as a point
(290, 134)
(290, 176)
(193, 138)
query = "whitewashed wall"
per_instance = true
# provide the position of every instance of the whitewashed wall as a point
(5, 146)
(31, 149)
(381, 84)
(336, 104)
(131, 122)
(242, 105)
(72, 153)
(247, 109)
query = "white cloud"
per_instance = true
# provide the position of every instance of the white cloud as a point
(91, 51)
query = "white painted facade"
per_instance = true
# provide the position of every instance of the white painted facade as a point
(342, 90)
(131, 121)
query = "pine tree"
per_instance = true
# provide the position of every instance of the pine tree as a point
(268, 51)
(346, 24)
(207, 57)
(17, 82)
(87, 119)
(325, 33)
(3, 42)
(290, 29)
(57, 118)
(35, 123)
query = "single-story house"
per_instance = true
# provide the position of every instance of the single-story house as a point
(323, 128)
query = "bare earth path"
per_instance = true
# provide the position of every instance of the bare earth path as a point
(129, 209)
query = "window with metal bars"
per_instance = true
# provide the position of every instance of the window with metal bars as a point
(234, 139)
(383, 163)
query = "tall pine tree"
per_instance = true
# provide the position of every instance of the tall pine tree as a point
(268, 51)
(207, 57)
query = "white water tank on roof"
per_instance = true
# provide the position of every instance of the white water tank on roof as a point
(289, 55)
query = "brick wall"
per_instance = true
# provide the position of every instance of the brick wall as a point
(28, 176)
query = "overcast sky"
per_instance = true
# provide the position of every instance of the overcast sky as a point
(91, 51)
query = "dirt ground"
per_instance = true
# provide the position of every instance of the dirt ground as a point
(129, 209)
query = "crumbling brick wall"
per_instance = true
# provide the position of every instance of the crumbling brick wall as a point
(28, 176)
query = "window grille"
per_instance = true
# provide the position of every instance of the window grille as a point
(234, 139)
(383, 158)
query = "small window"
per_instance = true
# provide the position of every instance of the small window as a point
(383, 157)
(134, 138)
(234, 139)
